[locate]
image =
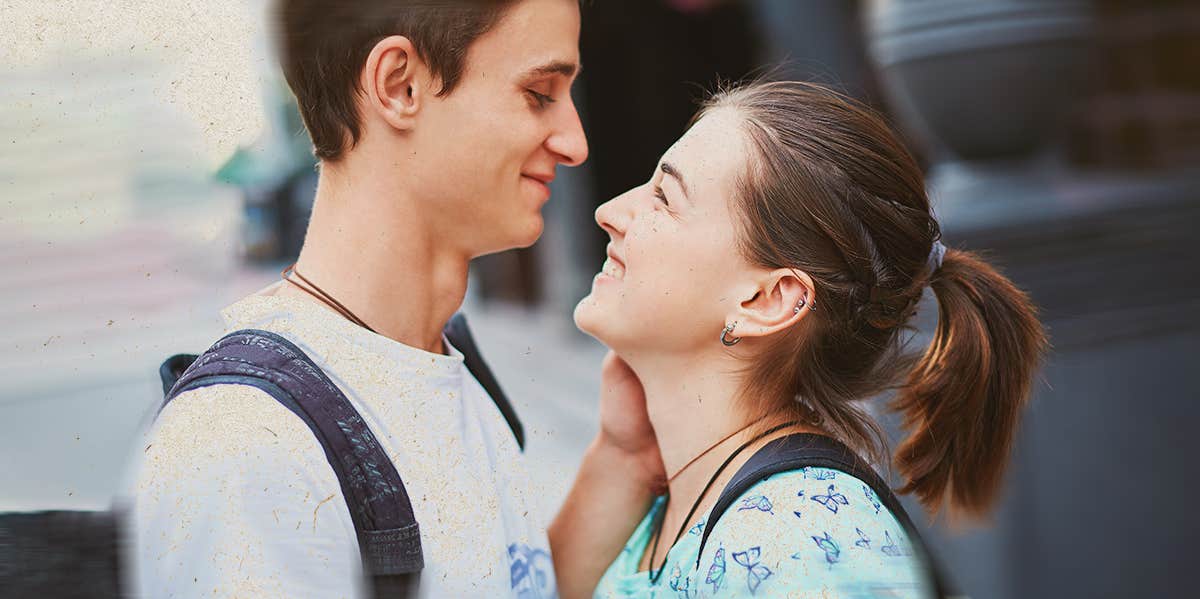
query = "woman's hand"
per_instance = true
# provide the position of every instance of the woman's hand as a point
(624, 420)
(621, 472)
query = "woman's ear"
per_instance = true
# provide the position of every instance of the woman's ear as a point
(391, 81)
(780, 299)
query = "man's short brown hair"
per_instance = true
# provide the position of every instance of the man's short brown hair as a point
(324, 44)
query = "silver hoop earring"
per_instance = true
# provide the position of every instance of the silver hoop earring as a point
(725, 334)
(804, 302)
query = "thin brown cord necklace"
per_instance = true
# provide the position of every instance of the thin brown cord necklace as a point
(658, 525)
(706, 451)
(320, 294)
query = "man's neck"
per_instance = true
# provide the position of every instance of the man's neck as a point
(369, 247)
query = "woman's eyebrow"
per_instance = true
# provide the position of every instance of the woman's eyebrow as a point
(669, 169)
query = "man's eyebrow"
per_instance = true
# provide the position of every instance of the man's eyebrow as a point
(556, 67)
(669, 169)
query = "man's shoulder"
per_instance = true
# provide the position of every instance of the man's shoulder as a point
(228, 421)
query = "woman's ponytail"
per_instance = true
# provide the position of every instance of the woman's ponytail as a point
(963, 400)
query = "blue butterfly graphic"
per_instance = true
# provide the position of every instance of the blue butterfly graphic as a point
(680, 584)
(818, 473)
(758, 502)
(891, 549)
(697, 529)
(676, 574)
(863, 541)
(716, 572)
(756, 573)
(831, 500)
(871, 497)
(826, 544)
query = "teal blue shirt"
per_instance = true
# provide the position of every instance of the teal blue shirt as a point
(812, 532)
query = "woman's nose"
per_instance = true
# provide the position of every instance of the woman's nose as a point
(614, 215)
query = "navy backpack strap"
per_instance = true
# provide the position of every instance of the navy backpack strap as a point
(388, 535)
(173, 368)
(460, 336)
(801, 450)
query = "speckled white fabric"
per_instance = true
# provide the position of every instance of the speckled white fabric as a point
(234, 496)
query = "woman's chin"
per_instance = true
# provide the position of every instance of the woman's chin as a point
(584, 315)
(589, 318)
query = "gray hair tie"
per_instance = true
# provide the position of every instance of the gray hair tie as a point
(936, 254)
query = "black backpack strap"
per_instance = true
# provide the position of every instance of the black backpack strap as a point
(800, 450)
(388, 535)
(459, 335)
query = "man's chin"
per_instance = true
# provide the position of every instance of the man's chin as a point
(517, 236)
(532, 232)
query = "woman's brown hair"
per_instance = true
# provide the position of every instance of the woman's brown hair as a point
(833, 192)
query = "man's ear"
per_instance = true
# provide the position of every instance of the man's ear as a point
(779, 299)
(392, 82)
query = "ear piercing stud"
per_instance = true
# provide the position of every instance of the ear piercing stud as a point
(802, 303)
(725, 335)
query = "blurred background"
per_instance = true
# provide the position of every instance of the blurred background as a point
(153, 169)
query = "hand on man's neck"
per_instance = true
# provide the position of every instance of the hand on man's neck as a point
(369, 247)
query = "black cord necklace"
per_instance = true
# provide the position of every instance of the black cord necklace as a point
(655, 575)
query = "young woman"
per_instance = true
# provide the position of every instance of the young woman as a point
(759, 285)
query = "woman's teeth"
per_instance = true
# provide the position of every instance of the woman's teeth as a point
(613, 269)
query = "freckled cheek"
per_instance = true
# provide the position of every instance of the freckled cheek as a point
(658, 261)
(647, 244)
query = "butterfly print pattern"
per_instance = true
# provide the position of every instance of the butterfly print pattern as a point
(837, 538)
(831, 500)
(871, 497)
(818, 473)
(828, 545)
(757, 502)
(682, 585)
(756, 573)
(716, 572)
(863, 541)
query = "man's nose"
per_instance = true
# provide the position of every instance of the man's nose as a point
(568, 140)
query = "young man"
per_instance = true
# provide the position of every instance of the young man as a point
(438, 126)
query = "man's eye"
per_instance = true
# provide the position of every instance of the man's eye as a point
(541, 99)
(662, 197)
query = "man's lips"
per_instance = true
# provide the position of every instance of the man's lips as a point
(543, 179)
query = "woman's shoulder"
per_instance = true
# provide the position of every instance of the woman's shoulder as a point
(814, 528)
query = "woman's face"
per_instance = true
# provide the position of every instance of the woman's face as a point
(673, 274)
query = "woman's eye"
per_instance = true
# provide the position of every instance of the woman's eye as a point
(662, 197)
(542, 99)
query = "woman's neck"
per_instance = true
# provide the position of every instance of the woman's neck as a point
(691, 405)
(690, 412)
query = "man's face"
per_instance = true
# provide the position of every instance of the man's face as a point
(492, 144)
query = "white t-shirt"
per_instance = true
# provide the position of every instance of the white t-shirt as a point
(234, 496)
